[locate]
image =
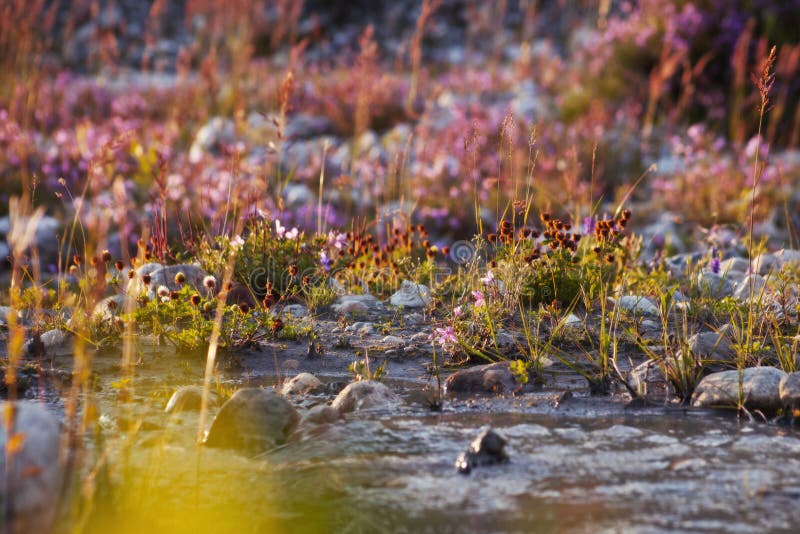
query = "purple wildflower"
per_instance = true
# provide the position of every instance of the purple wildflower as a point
(715, 262)
(480, 302)
(325, 261)
(446, 337)
(588, 225)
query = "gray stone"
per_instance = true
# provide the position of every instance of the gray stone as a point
(211, 137)
(296, 195)
(636, 305)
(392, 341)
(109, 307)
(768, 262)
(54, 342)
(734, 266)
(321, 414)
(411, 295)
(754, 285)
(349, 304)
(713, 285)
(36, 474)
(301, 384)
(45, 239)
(365, 395)
(361, 328)
(712, 345)
(297, 311)
(486, 449)
(647, 379)
(760, 389)
(663, 234)
(789, 390)
(488, 378)
(252, 420)
(190, 399)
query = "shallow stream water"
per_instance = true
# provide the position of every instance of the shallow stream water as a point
(581, 465)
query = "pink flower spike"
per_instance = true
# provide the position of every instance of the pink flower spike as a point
(479, 300)
(488, 280)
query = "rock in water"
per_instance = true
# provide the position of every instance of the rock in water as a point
(486, 449)
(364, 395)
(488, 378)
(189, 399)
(321, 414)
(760, 389)
(36, 473)
(252, 421)
(301, 384)
(790, 391)
(52, 343)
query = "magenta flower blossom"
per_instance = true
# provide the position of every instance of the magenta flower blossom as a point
(488, 280)
(446, 337)
(480, 302)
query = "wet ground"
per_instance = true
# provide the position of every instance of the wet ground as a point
(578, 463)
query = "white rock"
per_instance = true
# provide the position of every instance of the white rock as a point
(714, 285)
(392, 341)
(637, 305)
(356, 304)
(365, 395)
(36, 474)
(210, 136)
(411, 295)
(754, 285)
(362, 328)
(301, 384)
(56, 342)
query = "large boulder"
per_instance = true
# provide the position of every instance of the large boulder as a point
(252, 420)
(34, 478)
(365, 395)
(760, 389)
